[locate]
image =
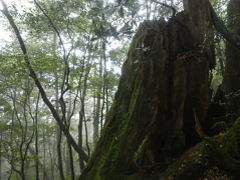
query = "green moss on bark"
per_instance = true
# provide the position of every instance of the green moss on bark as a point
(232, 138)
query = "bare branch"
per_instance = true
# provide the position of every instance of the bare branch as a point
(166, 5)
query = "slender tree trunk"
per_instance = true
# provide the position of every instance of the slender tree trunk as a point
(51, 159)
(70, 153)
(11, 144)
(221, 59)
(83, 103)
(104, 85)
(81, 115)
(59, 148)
(36, 139)
(80, 139)
(97, 113)
(84, 64)
(59, 131)
(44, 153)
(81, 119)
(71, 161)
(22, 169)
(96, 118)
(59, 142)
(86, 140)
(21, 151)
(65, 158)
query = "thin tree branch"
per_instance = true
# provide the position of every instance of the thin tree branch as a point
(222, 29)
(166, 5)
(65, 55)
(53, 26)
(65, 59)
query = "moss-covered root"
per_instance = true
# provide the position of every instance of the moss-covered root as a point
(211, 152)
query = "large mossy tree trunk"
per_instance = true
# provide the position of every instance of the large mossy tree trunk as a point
(163, 91)
(232, 73)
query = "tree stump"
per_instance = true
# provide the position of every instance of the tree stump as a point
(164, 86)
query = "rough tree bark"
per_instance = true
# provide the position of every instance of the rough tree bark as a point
(232, 73)
(163, 90)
